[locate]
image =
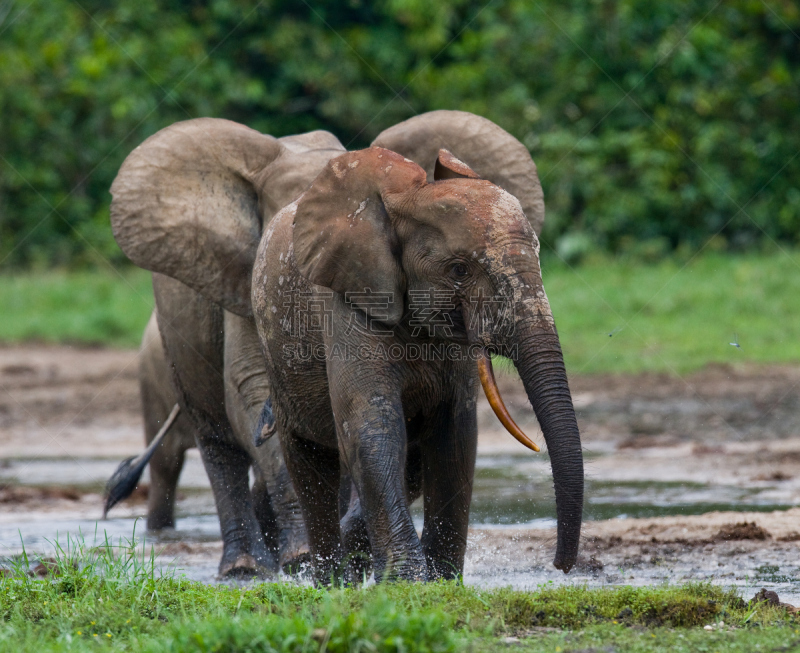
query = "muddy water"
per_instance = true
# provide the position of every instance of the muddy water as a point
(670, 463)
(516, 489)
(509, 490)
(512, 519)
(44, 512)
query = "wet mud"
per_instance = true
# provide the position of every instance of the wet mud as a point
(687, 479)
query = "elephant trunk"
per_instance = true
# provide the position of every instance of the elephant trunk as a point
(536, 352)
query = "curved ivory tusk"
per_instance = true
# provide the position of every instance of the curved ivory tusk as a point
(486, 372)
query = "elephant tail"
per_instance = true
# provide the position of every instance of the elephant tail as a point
(124, 480)
(265, 428)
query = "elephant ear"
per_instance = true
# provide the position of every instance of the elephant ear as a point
(185, 204)
(486, 148)
(449, 167)
(344, 235)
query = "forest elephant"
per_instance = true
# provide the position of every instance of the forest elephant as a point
(169, 437)
(379, 281)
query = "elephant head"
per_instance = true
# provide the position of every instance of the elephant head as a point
(372, 220)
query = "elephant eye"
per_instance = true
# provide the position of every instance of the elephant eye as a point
(460, 270)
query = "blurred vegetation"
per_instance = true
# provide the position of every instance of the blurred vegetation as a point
(654, 124)
(677, 315)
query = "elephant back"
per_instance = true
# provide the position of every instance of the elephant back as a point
(302, 158)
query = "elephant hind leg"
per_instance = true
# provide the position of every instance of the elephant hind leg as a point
(246, 393)
(166, 463)
(164, 473)
(285, 537)
(355, 539)
(192, 331)
(158, 398)
(244, 553)
(314, 470)
(264, 512)
(294, 553)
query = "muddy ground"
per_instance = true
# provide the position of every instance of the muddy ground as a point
(726, 438)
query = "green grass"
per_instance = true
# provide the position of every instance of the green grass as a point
(674, 316)
(110, 598)
(100, 307)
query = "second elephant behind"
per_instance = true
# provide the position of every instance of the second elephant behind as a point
(233, 388)
(274, 501)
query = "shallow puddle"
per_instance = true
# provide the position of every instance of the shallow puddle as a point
(513, 490)
(509, 491)
(40, 533)
(87, 473)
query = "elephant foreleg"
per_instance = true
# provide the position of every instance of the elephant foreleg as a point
(448, 447)
(355, 537)
(372, 433)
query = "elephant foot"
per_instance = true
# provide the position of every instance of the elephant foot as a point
(413, 568)
(294, 555)
(358, 553)
(295, 560)
(244, 567)
(357, 568)
(443, 569)
(327, 571)
(159, 523)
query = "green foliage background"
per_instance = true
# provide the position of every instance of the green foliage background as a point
(654, 124)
